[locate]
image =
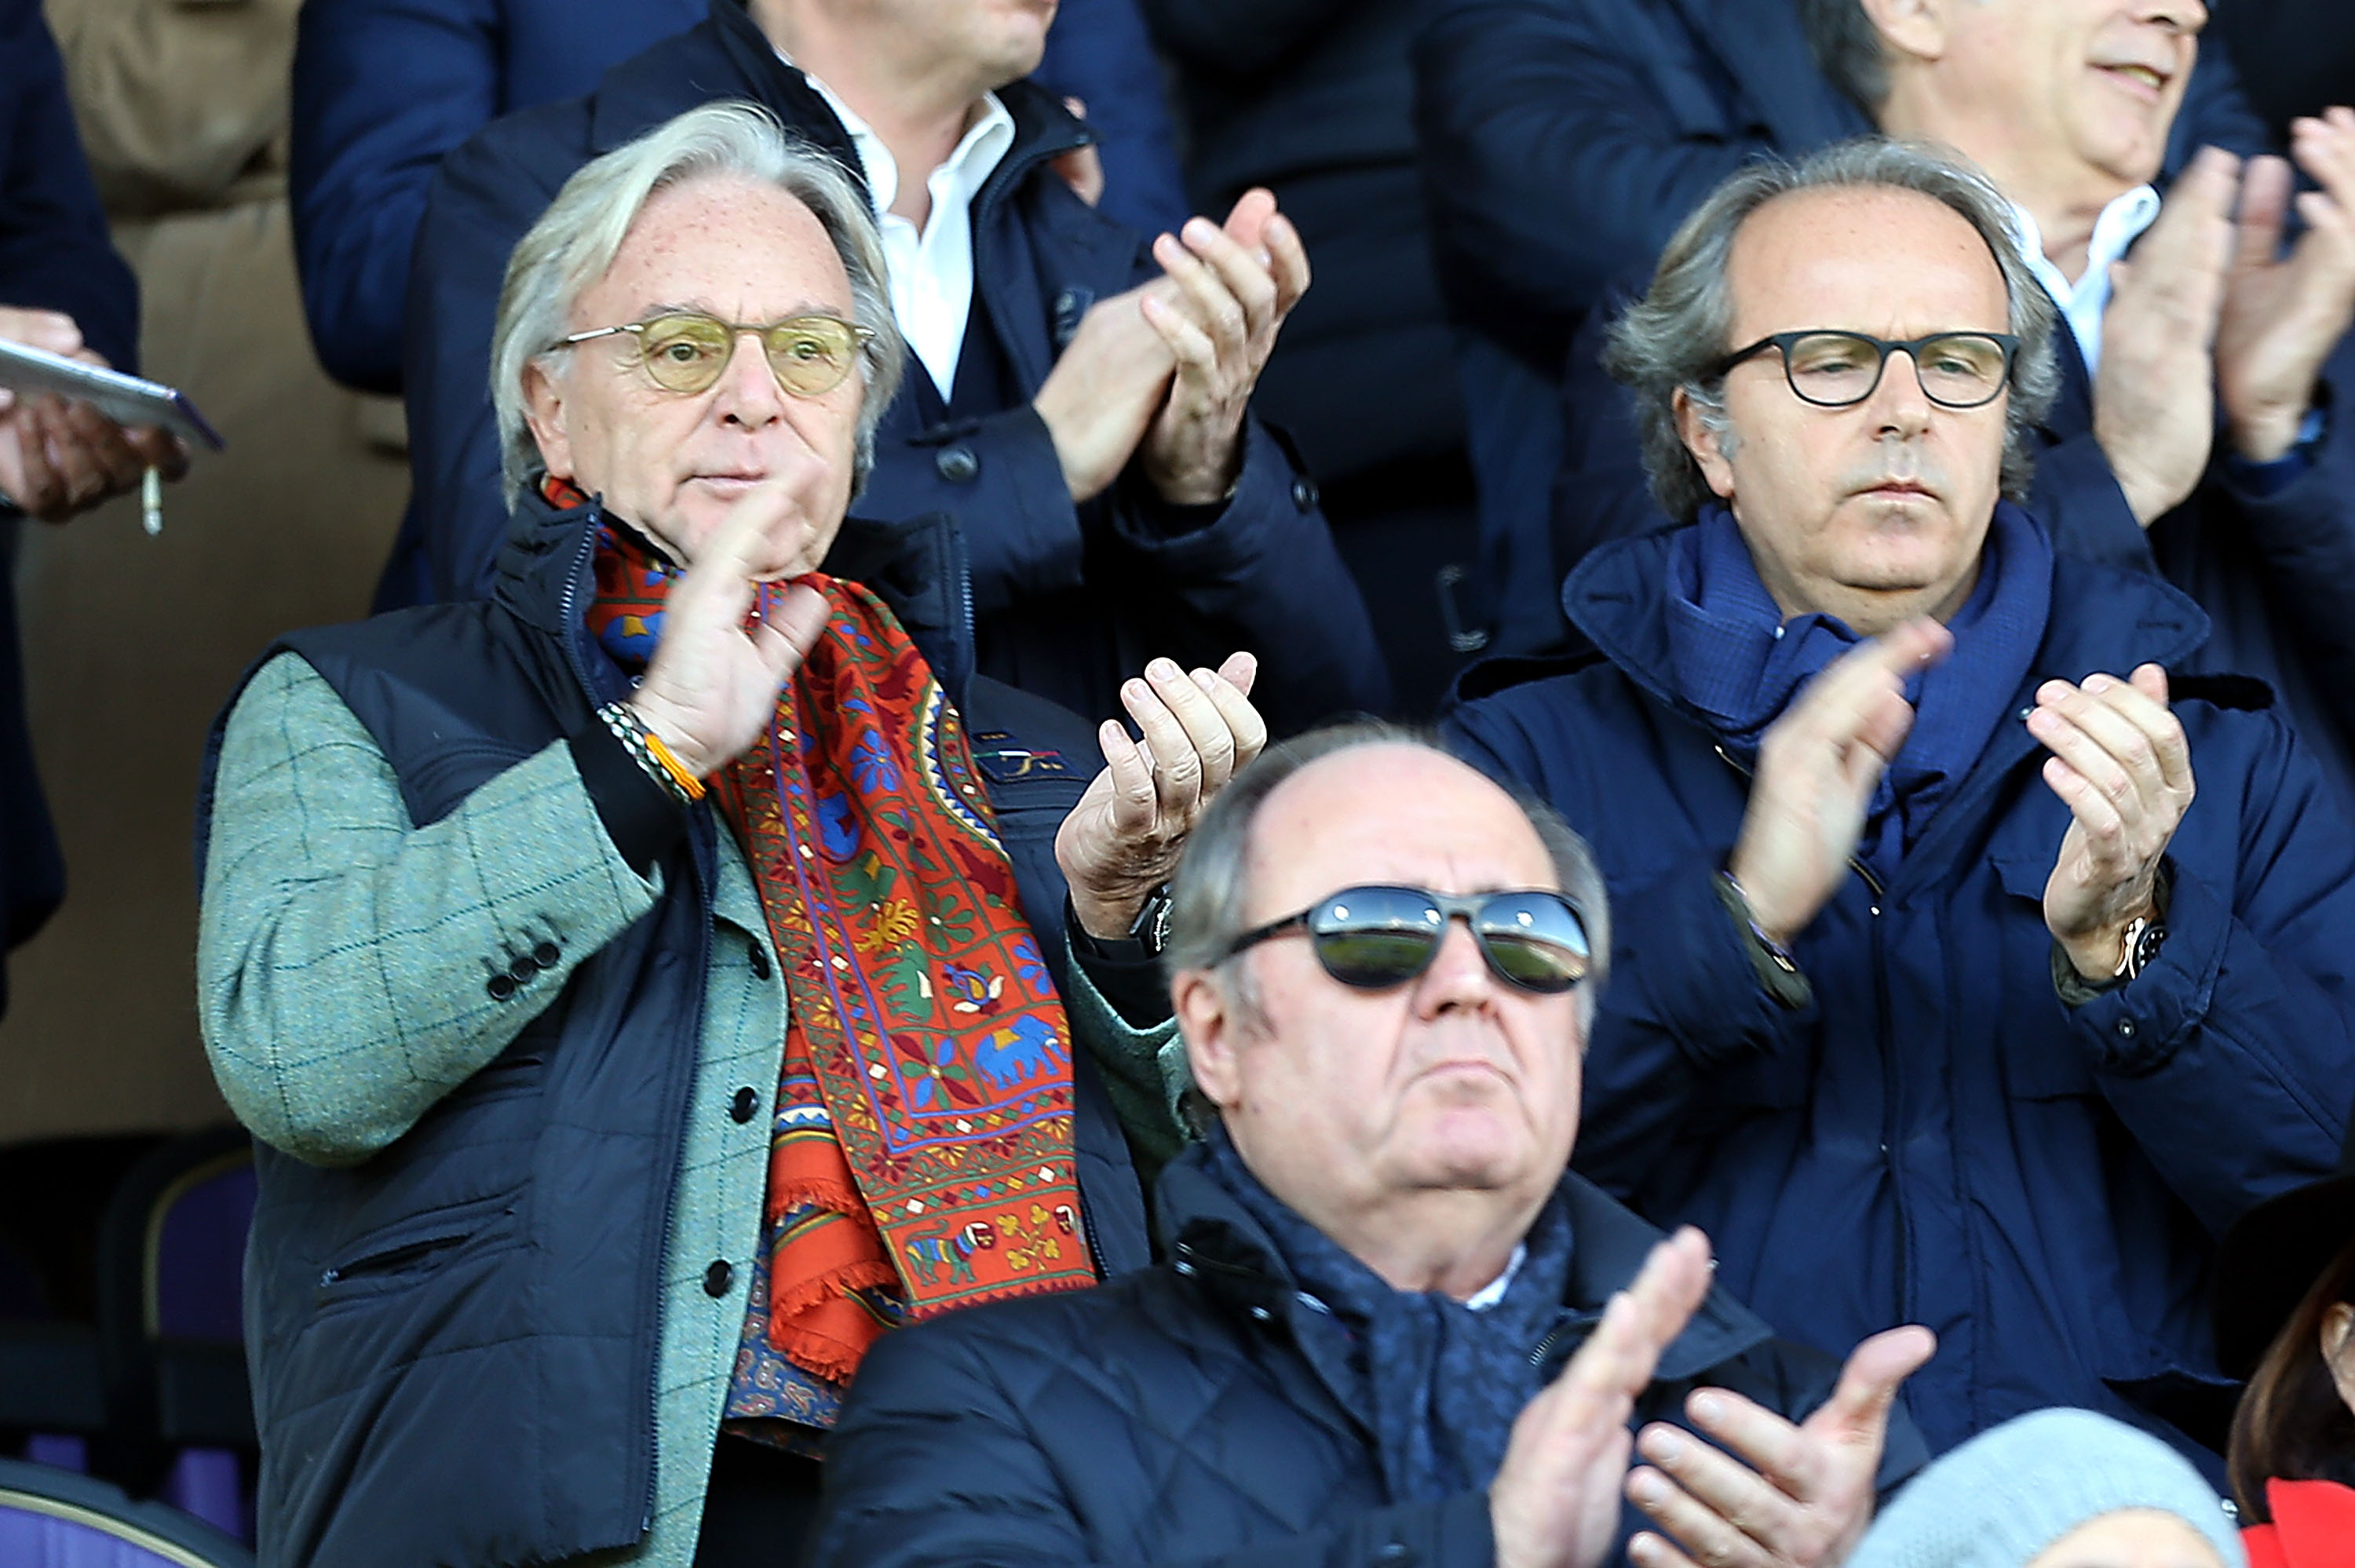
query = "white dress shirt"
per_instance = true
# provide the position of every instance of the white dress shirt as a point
(932, 270)
(2082, 303)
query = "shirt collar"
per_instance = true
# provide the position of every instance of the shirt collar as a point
(960, 176)
(2121, 223)
(1488, 1295)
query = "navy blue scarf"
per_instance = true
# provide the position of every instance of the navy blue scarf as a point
(1440, 1383)
(1737, 661)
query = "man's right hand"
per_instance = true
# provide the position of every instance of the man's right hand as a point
(1555, 1501)
(2153, 396)
(59, 458)
(1818, 766)
(711, 689)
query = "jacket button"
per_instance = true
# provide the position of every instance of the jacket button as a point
(524, 968)
(1304, 494)
(1262, 1314)
(1395, 1554)
(760, 962)
(545, 954)
(718, 1278)
(501, 987)
(957, 464)
(745, 1103)
(2126, 1029)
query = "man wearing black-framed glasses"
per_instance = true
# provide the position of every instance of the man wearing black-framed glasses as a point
(1390, 1328)
(1981, 958)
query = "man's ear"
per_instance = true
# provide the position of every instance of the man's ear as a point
(1706, 447)
(1206, 1022)
(1910, 29)
(543, 414)
(2338, 1349)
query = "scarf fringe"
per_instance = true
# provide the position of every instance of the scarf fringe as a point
(866, 1274)
(833, 1193)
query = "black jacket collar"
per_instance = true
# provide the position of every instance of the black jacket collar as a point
(1222, 1246)
(546, 576)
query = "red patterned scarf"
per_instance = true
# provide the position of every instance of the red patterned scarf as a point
(922, 1144)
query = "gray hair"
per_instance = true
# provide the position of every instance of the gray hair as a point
(1848, 50)
(576, 240)
(1211, 891)
(1672, 339)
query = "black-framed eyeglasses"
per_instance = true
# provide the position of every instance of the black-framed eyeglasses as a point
(685, 351)
(1835, 369)
(1377, 936)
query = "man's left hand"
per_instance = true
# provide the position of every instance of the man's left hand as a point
(1121, 840)
(1795, 1496)
(1235, 286)
(2122, 765)
(2282, 315)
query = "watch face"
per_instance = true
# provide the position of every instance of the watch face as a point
(2146, 946)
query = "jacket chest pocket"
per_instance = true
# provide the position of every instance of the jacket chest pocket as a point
(408, 1250)
(2039, 1056)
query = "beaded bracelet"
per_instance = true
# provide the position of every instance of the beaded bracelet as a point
(660, 762)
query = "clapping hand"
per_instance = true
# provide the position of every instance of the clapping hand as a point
(1817, 766)
(1555, 1501)
(711, 688)
(1121, 840)
(2283, 314)
(1788, 1495)
(2121, 763)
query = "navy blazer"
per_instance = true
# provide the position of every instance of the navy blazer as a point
(1564, 140)
(1069, 600)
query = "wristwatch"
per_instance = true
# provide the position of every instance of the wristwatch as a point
(2144, 936)
(1148, 933)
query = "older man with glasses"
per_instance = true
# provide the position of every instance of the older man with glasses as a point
(1391, 1328)
(649, 986)
(1978, 971)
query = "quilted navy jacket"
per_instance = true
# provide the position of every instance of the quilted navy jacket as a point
(1179, 1415)
(1069, 601)
(1936, 1138)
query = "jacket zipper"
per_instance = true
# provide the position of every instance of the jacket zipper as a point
(568, 617)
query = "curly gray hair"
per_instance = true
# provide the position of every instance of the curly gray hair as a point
(1674, 337)
(576, 240)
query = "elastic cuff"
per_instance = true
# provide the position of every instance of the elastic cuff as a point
(1122, 972)
(640, 815)
(2074, 988)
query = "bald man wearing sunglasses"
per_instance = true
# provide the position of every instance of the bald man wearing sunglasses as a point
(1388, 1327)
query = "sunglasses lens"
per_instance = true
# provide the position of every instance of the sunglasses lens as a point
(1374, 961)
(812, 354)
(1535, 940)
(1373, 938)
(686, 353)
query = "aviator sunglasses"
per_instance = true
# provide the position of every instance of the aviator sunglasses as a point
(1375, 938)
(685, 351)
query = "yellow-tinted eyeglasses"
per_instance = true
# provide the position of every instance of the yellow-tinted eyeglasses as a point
(687, 351)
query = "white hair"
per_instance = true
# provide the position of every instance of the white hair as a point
(576, 240)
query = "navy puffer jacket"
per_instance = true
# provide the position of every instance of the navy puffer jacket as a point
(1936, 1138)
(1173, 1416)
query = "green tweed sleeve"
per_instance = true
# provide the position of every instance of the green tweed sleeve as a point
(1144, 1070)
(343, 956)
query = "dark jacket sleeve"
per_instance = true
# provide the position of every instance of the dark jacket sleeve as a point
(934, 1465)
(1097, 52)
(2232, 1058)
(55, 254)
(1551, 160)
(486, 194)
(1240, 38)
(383, 90)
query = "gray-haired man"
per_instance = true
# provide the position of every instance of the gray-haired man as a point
(647, 985)
(1383, 967)
(1942, 1000)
